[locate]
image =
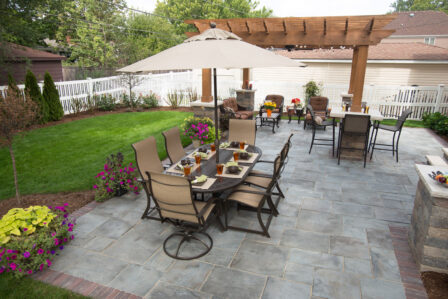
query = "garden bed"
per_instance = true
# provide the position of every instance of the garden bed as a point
(436, 284)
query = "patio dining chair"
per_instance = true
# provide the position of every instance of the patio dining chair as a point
(356, 126)
(396, 128)
(262, 179)
(174, 201)
(318, 123)
(254, 199)
(147, 160)
(173, 145)
(242, 130)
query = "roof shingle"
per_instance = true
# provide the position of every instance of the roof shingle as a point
(427, 22)
(16, 52)
(384, 51)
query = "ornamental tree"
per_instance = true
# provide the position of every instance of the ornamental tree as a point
(33, 91)
(16, 113)
(51, 96)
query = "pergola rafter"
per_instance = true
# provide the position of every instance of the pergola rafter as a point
(357, 32)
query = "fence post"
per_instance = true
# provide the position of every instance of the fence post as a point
(439, 97)
(90, 82)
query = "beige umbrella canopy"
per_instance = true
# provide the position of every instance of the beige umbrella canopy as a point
(214, 48)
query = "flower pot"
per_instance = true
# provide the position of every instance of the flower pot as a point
(120, 191)
(196, 143)
(269, 112)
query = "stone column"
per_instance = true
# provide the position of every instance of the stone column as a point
(428, 234)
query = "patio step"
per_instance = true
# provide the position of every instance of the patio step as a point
(445, 152)
(436, 160)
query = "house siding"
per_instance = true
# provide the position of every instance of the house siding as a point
(376, 73)
(440, 41)
(18, 70)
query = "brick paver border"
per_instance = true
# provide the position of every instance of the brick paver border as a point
(410, 275)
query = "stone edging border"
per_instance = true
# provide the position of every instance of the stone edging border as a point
(410, 275)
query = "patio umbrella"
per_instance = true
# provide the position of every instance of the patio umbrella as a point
(214, 48)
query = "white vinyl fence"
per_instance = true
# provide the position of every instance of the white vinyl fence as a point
(391, 100)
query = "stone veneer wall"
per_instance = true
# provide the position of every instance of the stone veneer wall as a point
(200, 111)
(428, 234)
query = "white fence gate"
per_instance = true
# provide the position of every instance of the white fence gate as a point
(391, 100)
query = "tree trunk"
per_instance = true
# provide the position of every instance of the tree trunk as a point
(16, 183)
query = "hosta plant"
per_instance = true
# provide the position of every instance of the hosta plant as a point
(30, 237)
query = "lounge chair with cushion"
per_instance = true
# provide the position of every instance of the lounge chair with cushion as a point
(320, 108)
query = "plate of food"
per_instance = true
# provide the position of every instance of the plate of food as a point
(235, 144)
(440, 177)
(200, 180)
(244, 155)
(233, 168)
(184, 162)
(224, 145)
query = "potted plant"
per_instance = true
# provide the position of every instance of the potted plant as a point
(200, 130)
(297, 103)
(269, 106)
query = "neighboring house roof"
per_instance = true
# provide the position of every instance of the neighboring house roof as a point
(16, 52)
(427, 22)
(384, 51)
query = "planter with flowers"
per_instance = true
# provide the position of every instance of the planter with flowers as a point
(297, 103)
(269, 106)
(116, 179)
(200, 130)
(30, 237)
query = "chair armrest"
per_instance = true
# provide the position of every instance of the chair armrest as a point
(209, 203)
(261, 175)
(254, 192)
(140, 180)
(265, 161)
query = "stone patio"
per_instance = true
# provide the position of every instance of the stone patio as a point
(331, 239)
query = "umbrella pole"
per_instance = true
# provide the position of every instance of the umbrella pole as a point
(215, 98)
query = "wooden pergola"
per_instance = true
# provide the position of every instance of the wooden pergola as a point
(357, 32)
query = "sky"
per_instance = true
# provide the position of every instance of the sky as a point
(305, 8)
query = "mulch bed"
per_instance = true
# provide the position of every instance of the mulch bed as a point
(75, 200)
(436, 284)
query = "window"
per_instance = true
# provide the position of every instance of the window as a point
(430, 40)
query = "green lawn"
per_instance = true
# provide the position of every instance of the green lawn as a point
(11, 287)
(67, 157)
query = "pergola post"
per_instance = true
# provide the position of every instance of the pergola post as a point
(245, 78)
(206, 85)
(359, 65)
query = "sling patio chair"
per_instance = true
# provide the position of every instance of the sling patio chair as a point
(242, 130)
(396, 128)
(262, 179)
(254, 199)
(147, 159)
(356, 126)
(173, 145)
(318, 123)
(174, 201)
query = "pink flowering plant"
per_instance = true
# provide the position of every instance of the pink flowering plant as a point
(115, 179)
(199, 128)
(31, 237)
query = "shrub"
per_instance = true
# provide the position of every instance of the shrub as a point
(130, 102)
(437, 122)
(30, 237)
(76, 105)
(51, 96)
(33, 91)
(149, 101)
(175, 99)
(12, 85)
(199, 128)
(106, 103)
(116, 179)
(91, 103)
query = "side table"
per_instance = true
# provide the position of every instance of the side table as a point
(269, 121)
(297, 111)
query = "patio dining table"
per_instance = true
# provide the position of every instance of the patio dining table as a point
(208, 168)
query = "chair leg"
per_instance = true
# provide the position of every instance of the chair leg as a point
(312, 140)
(374, 142)
(393, 144)
(263, 227)
(366, 145)
(371, 138)
(396, 145)
(272, 207)
(339, 147)
(226, 209)
(279, 190)
(334, 123)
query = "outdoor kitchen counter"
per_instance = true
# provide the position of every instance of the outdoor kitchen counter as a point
(428, 234)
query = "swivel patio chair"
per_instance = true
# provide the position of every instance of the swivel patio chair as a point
(242, 130)
(319, 123)
(254, 199)
(147, 160)
(174, 201)
(396, 128)
(320, 108)
(356, 126)
(173, 145)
